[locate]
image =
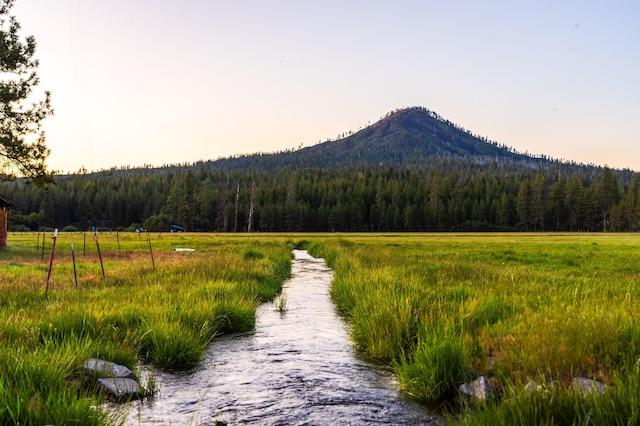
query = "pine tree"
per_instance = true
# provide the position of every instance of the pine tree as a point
(18, 123)
(607, 196)
(558, 205)
(525, 207)
(575, 204)
(186, 208)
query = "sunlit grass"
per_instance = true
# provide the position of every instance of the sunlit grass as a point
(164, 312)
(509, 306)
(512, 307)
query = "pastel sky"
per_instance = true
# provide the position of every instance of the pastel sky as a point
(162, 82)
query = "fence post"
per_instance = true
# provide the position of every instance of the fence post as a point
(73, 256)
(53, 250)
(153, 263)
(95, 237)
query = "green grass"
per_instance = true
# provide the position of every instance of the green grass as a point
(512, 307)
(509, 306)
(165, 315)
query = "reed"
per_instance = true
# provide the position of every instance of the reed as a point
(281, 304)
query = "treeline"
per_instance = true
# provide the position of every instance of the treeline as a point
(465, 198)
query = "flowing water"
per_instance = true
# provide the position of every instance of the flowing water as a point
(297, 367)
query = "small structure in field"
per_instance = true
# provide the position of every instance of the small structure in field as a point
(176, 228)
(4, 215)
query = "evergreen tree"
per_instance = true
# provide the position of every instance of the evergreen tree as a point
(539, 204)
(607, 195)
(525, 207)
(575, 204)
(312, 200)
(186, 208)
(18, 122)
(172, 207)
(558, 203)
(504, 212)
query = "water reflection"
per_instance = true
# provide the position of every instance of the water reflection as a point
(297, 367)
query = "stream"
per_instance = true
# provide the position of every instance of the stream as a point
(298, 367)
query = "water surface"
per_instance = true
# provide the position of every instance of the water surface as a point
(297, 368)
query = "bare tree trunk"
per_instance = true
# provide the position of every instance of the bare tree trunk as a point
(251, 206)
(235, 222)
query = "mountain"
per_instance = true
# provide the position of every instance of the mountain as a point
(410, 171)
(407, 137)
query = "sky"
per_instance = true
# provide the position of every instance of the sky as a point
(155, 82)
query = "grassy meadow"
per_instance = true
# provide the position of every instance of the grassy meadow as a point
(512, 307)
(437, 307)
(163, 310)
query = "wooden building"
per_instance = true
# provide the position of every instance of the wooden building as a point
(4, 214)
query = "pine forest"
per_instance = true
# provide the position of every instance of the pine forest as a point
(455, 197)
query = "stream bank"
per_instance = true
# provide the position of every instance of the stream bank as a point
(297, 367)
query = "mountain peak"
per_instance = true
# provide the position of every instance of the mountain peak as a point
(410, 135)
(405, 137)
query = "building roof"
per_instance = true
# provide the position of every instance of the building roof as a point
(4, 202)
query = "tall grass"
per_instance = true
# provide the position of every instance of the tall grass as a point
(436, 307)
(435, 366)
(512, 307)
(166, 316)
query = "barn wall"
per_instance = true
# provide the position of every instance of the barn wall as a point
(3, 227)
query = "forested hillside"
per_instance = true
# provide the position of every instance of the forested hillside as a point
(412, 171)
(450, 198)
(406, 138)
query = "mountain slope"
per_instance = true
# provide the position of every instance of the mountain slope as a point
(408, 137)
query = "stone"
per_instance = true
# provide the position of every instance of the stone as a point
(587, 386)
(478, 390)
(121, 388)
(117, 381)
(99, 368)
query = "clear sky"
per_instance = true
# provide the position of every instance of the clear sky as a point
(155, 82)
